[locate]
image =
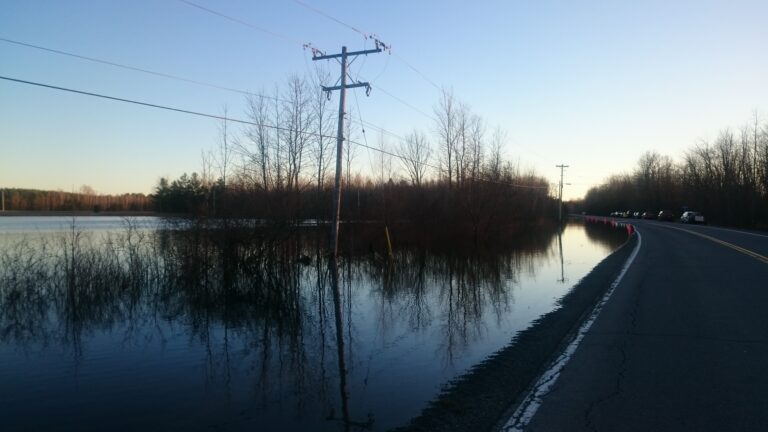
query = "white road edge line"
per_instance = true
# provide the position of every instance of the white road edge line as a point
(533, 400)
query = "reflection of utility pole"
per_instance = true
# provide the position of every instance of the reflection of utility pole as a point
(340, 132)
(562, 264)
(336, 289)
(560, 195)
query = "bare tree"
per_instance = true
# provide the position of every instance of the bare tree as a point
(461, 144)
(446, 128)
(382, 161)
(278, 155)
(298, 120)
(224, 152)
(324, 141)
(415, 153)
(476, 150)
(261, 139)
(495, 157)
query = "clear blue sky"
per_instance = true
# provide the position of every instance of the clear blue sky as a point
(592, 84)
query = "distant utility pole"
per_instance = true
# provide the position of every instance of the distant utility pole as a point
(560, 195)
(317, 55)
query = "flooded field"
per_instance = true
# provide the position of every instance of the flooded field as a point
(122, 324)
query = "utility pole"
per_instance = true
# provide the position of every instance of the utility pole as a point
(317, 55)
(560, 195)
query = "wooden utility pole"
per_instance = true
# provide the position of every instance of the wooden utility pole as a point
(560, 195)
(340, 132)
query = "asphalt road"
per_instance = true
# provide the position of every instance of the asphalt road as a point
(681, 344)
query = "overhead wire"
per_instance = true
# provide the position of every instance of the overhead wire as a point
(429, 116)
(229, 119)
(309, 46)
(135, 69)
(413, 68)
(208, 84)
(241, 22)
(338, 21)
(362, 125)
(154, 105)
(366, 36)
(384, 69)
(181, 78)
(313, 77)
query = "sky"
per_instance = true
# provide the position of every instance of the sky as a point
(589, 84)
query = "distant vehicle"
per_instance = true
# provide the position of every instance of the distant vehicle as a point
(636, 215)
(627, 214)
(649, 215)
(666, 215)
(692, 217)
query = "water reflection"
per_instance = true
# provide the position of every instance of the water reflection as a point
(247, 328)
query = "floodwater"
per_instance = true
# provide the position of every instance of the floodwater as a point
(118, 324)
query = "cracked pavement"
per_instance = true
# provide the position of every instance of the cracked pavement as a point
(681, 345)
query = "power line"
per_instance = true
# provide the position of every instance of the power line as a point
(367, 35)
(318, 11)
(314, 49)
(434, 167)
(183, 79)
(378, 43)
(378, 128)
(429, 116)
(234, 120)
(241, 22)
(158, 106)
(413, 68)
(136, 69)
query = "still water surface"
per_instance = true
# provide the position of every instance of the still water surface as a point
(176, 334)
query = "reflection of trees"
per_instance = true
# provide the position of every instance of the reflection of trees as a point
(248, 299)
(462, 290)
(255, 300)
(605, 234)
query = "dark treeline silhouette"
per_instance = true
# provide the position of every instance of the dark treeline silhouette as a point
(726, 179)
(280, 170)
(84, 200)
(478, 210)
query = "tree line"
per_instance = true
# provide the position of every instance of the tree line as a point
(281, 167)
(726, 179)
(86, 199)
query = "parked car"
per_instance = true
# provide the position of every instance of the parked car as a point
(666, 215)
(692, 217)
(649, 215)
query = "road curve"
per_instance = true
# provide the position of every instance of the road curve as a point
(682, 344)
